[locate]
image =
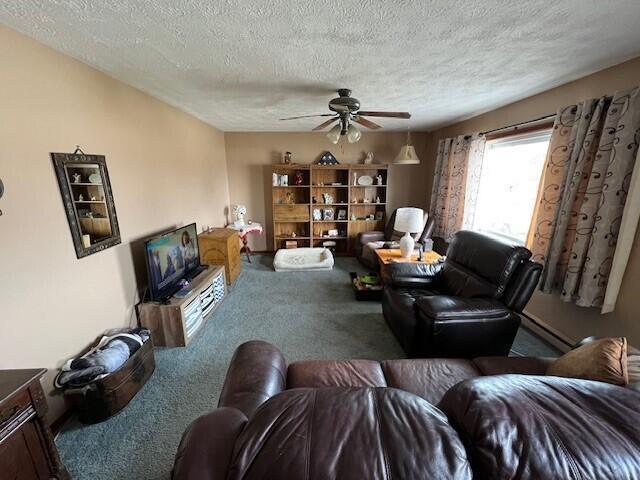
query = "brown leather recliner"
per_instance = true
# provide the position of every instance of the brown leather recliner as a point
(363, 419)
(466, 307)
(363, 239)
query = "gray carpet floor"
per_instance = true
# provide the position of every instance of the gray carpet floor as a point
(306, 314)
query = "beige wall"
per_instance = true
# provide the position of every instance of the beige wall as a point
(166, 168)
(250, 157)
(567, 319)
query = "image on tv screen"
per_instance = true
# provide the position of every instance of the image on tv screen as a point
(171, 256)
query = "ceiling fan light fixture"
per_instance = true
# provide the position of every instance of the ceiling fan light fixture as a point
(334, 134)
(407, 154)
(353, 134)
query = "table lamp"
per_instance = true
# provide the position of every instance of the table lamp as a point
(409, 220)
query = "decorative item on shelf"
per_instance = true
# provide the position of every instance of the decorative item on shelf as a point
(342, 214)
(290, 198)
(294, 234)
(95, 178)
(291, 244)
(353, 217)
(314, 200)
(80, 197)
(275, 179)
(326, 198)
(283, 180)
(333, 232)
(93, 198)
(328, 214)
(355, 179)
(370, 217)
(299, 178)
(407, 154)
(286, 158)
(336, 184)
(408, 220)
(368, 158)
(378, 179)
(239, 211)
(327, 158)
(366, 200)
(76, 178)
(317, 214)
(378, 199)
(365, 181)
(379, 215)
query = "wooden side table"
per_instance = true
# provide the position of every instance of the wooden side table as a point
(221, 246)
(27, 449)
(388, 256)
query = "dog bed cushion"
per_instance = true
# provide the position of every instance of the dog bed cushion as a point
(297, 259)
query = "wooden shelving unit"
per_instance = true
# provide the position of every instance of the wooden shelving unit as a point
(294, 205)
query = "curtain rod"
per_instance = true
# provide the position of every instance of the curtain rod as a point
(515, 125)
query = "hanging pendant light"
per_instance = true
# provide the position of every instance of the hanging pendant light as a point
(407, 154)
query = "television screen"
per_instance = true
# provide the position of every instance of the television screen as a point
(170, 257)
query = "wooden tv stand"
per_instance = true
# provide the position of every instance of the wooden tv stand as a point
(175, 323)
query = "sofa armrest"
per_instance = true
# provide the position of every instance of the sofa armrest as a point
(207, 445)
(368, 237)
(412, 275)
(443, 307)
(257, 371)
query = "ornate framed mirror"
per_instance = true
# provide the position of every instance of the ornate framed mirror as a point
(88, 201)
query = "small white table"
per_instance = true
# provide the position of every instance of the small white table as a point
(244, 231)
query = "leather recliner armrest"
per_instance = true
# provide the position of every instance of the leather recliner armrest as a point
(207, 445)
(257, 372)
(368, 237)
(443, 307)
(412, 275)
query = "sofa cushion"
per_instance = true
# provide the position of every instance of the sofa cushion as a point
(335, 373)
(535, 427)
(348, 434)
(604, 360)
(521, 365)
(428, 378)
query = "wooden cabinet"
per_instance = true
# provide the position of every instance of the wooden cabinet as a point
(221, 246)
(27, 449)
(174, 324)
(328, 204)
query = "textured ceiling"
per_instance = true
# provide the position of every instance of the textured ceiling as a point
(240, 65)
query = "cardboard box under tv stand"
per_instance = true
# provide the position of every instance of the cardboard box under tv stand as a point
(176, 322)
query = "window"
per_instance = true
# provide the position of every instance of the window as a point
(509, 180)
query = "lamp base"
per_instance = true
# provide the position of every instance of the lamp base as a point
(407, 244)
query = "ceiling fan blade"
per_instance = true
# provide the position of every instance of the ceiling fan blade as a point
(326, 124)
(309, 116)
(366, 123)
(386, 114)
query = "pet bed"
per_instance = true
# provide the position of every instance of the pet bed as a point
(299, 259)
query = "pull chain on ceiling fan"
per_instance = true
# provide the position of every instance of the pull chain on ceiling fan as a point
(347, 111)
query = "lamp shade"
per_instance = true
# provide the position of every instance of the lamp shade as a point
(353, 134)
(409, 220)
(407, 156)
(334, 134)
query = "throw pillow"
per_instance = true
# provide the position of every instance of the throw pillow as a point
(604, 360)
(633, 367)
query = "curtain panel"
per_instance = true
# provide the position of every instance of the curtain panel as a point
(582, 195)
(455, 184)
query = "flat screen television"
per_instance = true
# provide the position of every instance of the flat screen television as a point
(171, 257)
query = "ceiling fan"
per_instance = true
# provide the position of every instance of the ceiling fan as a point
(347, 110)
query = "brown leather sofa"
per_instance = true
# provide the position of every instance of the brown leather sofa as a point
(496, 418)
(466, 307)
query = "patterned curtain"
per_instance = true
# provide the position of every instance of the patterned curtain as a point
(455, 184)
(582, 195)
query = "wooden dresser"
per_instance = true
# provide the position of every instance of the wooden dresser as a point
(221, 246)
(27, 449)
